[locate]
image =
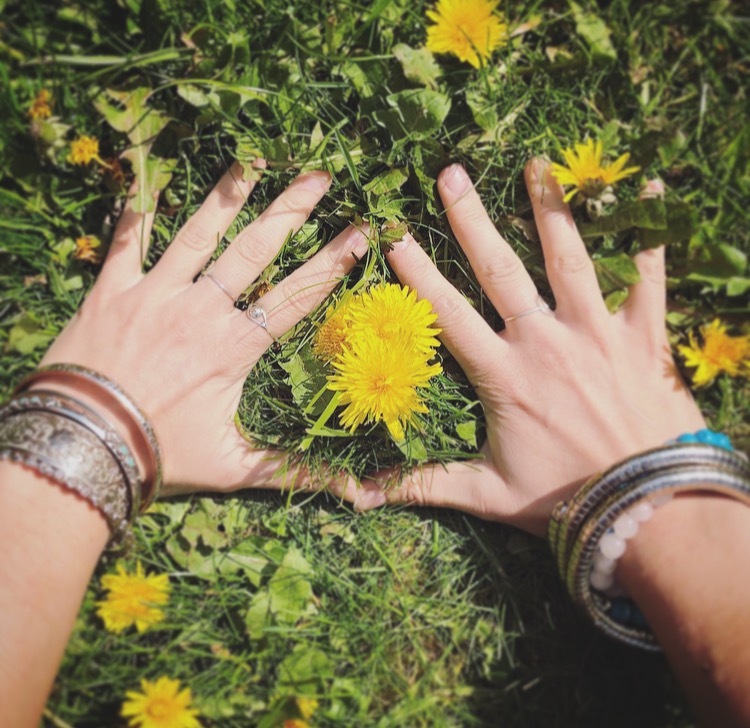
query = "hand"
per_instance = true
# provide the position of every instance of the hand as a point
(565, 395)
(181, 349)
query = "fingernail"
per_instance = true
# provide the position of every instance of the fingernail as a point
(313, 181)
(653, 189)
(538, 171)
(455, 179)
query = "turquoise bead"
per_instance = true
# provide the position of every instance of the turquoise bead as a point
(687, 437)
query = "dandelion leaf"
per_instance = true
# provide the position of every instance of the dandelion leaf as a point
(418, 64)
(28, 334)
(290, 588)
(388, 181)
(595, 32)
(127, 112)
(305, 670)
(615, 272)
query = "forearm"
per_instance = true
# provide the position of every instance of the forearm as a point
(687, 570)
(51, 540)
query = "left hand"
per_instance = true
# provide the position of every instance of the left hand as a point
(182, 350)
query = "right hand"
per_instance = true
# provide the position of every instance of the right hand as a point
(565, 395)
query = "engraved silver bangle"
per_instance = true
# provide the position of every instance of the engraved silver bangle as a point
(60, 439)
(114, 394)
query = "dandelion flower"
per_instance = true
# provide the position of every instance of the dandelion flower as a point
(307, 706)
(391, 311)
(333, 333)
(88, 249)
(586, 172)
(469, 29)
(160, 705)
(720, 353)
(133, 599)
(41, 106)
(84, 149)
(378, 380)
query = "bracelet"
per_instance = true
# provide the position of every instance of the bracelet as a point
(66, 441)
(115, 397)
(576, 528)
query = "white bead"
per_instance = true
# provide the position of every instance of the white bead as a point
(604, 564)
(625, 526)
(612, 546)
(642, 511)
(661, 499)
(601, 581)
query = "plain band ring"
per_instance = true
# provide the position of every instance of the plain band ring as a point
(257, 314)
(541, 307)
(209, 274)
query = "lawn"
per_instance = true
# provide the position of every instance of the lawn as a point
(397, 617)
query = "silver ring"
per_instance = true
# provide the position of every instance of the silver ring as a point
(208, 274)
(541, 307)
(257, 314)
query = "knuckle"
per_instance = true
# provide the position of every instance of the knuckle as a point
(196, 238)
(452, 312)
(652, 268)
(572, 263)
(250, 251)
(284, 204)
(501, 270)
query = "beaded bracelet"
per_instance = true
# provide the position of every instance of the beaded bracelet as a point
(613, 544)
(577, 527)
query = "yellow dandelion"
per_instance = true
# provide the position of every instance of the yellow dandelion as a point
(41, 106)
(333, 333)
(469, 29)
(720, 353)
(391, 311)
(586, 172)
(133, 599)
(88, 249)
(307, 706)
(160, 705)
(84, 149)
(378, 380)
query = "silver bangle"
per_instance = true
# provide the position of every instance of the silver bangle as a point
(577, 526)
(59, 438)
(152, 478)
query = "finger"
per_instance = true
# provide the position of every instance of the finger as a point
(197, 240)
(259, 243)
(471, 487)
(123, 267)
(569, 268)
(467, 335)
(498, 269)
(286, 304)
(646, 307)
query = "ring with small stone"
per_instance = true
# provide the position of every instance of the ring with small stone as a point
(257, 315)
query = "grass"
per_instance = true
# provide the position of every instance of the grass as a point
(397, 617)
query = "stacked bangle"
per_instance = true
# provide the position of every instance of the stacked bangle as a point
(112, 396)
(67, 441)
(632, 488)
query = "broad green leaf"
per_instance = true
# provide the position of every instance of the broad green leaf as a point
(416, 112)
(388, 181)
(680, 225)
(419, 64)
(615, 272)
(720, 263)
(259, 615)
(127, 112)
(413, 448)
(594, 31)
(737, 286)
(290, 588)
(614, 300)
(650, 214)
(28, 334)
(305, 670)
(467, 431)
(307, 376)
